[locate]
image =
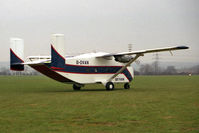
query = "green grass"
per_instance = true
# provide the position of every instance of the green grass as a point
(154, 104)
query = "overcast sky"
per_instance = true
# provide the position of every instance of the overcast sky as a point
(102, 25)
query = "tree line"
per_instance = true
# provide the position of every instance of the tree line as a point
(154, 69)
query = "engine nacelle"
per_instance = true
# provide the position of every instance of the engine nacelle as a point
(123, 58)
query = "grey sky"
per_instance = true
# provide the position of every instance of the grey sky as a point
(102, 25)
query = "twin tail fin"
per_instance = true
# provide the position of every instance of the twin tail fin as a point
(16, 54)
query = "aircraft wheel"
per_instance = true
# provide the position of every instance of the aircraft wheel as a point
(75, 87)
(126, 86)
(109, 86)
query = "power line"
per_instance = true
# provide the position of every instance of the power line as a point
(156, 63)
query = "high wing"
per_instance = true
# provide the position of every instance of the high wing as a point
(125, 57)
(141, 52)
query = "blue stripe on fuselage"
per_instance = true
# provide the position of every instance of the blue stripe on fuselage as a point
(95, 70)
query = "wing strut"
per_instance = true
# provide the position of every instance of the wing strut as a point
(124, 67)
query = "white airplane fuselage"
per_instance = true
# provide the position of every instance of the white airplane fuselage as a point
(87, 69)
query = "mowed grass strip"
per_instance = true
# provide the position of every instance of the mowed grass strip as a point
(153, 104)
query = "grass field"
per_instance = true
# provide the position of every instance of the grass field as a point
(155, 104)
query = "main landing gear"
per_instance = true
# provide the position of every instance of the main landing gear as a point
(76, 87)
(110, 86)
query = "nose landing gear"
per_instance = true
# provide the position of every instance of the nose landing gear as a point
(126, 86)
(76, 87)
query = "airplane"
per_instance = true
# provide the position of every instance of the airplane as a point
(90, 68)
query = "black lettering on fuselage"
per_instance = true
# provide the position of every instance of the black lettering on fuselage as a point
(119, 79)
(82, 62)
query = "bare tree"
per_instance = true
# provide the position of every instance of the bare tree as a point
(146, 69)
(170, 70)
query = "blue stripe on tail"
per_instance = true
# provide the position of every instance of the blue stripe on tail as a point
(15, 62)
(57, 61)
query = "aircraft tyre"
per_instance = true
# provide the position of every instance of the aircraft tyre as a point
(76, 88)
(109, 86)
(126, 86)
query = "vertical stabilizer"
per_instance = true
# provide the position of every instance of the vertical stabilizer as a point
(16, 54)
(57, 51)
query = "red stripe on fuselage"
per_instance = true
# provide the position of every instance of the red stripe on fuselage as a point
(93, 73)
(89, 66)
(57, 68)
